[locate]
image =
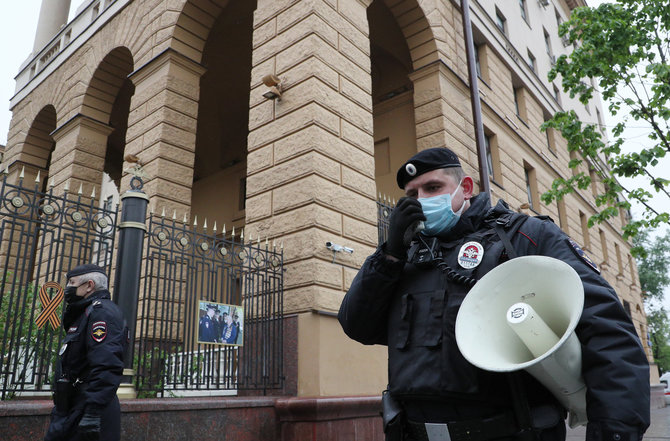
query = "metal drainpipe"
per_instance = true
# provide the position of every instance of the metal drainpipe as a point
(484, 186)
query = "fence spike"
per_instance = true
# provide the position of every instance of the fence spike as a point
(204, 226)
(195, 221)
(67, 186)
(23, 172)
(233, 233)
(93, 193)
(163, 213)
(282, 245)
(214, 229)
(81, 188)
(152, 210)
(6, 171)
(37, 178)
(242, 236)
(224, 231)
(274, 245)
(174, 215)
(393, 203)
(258, 243)
(267, 242)
(185, 219)
(52, 183)
(380, 196)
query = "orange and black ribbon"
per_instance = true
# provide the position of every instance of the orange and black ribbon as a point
(49, 305)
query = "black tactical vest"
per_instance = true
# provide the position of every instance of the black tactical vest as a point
(424, 360)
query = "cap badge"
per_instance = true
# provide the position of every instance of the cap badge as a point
(410, 169)
(470, 255)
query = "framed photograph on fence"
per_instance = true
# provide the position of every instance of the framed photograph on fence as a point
(220, 323)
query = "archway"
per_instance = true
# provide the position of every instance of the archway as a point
(223, 118)
(392, 97)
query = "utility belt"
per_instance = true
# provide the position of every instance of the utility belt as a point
(397, 427)
(65, 393)
(481, 429)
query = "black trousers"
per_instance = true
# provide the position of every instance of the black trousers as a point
(63, 427)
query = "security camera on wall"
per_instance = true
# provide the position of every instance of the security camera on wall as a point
(273, 82)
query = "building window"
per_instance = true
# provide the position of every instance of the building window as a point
(531, 61)
(551, 140)
(493, 157)
(584, 220)
(562, 215)
(501, 22)
(631, 265)
(242, 197)
(557, 95)
(520, 103)
(600, 120)
(531, 186)
(603, 245)
(626, 306)
(618, 258)
(522, 9)
(547, 42)
(481, 62)
(109, 202)
(594, 181)
(489, 160)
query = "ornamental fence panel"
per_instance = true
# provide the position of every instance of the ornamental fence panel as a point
(186, 275)
(42, 235)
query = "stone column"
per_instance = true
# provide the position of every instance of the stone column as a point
(310, 176)
(53, 15)
(79, 155)
(161, 128)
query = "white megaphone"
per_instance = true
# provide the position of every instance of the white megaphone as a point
(521, 315)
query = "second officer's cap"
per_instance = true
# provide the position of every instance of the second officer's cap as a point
(425, 161)
(84, 269)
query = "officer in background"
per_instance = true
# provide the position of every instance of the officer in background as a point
(90, 366)
(206, 331)
(407, 296)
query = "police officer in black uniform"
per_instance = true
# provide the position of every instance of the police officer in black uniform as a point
(407, 295)
(90, 366)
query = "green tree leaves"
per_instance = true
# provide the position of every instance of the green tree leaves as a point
(622, 47)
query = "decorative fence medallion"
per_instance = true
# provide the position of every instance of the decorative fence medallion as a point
(49, 305)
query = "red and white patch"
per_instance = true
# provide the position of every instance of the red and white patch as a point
(99, 331)
(470, 255)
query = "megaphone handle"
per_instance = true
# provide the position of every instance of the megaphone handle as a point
(520, 405)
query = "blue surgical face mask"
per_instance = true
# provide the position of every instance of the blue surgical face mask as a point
(440, 217)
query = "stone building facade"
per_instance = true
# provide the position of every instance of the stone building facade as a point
(364, 84)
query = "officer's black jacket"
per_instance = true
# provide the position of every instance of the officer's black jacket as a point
(95, 339)
(375, 311)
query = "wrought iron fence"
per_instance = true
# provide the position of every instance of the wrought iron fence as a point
(186, 272)
(41, 236)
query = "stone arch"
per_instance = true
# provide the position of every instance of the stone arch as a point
(191, 31)
(392, 95)
(109, 78)
(39, 144)
(107, 100)
(411, 18)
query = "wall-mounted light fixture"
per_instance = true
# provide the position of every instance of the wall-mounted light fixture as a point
(274, 84)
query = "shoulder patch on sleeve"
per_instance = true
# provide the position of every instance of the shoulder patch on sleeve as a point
(582, 255)
(99, 331)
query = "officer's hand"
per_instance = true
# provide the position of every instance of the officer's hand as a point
(406, 212)
(89, 427)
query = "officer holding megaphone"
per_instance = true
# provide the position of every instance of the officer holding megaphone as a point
(563, 344)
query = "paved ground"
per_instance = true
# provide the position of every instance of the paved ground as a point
(658, 431)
